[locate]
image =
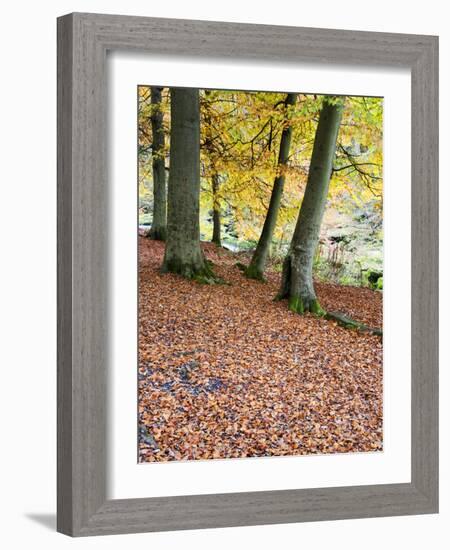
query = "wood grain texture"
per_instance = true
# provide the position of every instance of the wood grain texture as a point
(83, 244)
(424, 276)
(64, 274)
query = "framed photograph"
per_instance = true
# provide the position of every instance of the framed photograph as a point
(247, 274)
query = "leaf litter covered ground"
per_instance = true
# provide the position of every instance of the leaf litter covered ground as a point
(226, 372)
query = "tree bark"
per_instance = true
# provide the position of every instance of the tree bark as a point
(258, 262)
(215, 180)
(297, 281)
(159, 226)
(183, 254)
(216, 236)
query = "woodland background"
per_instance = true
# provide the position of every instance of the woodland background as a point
(240, 147)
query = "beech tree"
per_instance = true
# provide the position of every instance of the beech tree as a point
(297, 281)
(257, 265)
(183, 254)
(213, 155)
(158, 229)
(216, 217)
(240, 143)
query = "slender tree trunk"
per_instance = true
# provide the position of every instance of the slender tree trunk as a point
(215, 180)
(297, 281)
(159, 229)
(258, 262)
(183, 254)
(216, 236)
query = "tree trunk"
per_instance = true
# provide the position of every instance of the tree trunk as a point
(258, 262)
(216, 236)
(158, 230)
(297, 282)
(183, 254)
(215, 181)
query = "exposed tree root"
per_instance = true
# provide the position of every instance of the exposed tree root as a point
(199, 271)
(251, 272)
(297, 305)
(348, 322)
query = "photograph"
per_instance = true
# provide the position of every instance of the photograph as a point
(223, 329)
(260, 229)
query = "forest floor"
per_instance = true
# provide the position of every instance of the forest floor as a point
(225, 371)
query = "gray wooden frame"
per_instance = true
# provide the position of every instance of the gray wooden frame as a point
(83, 40)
